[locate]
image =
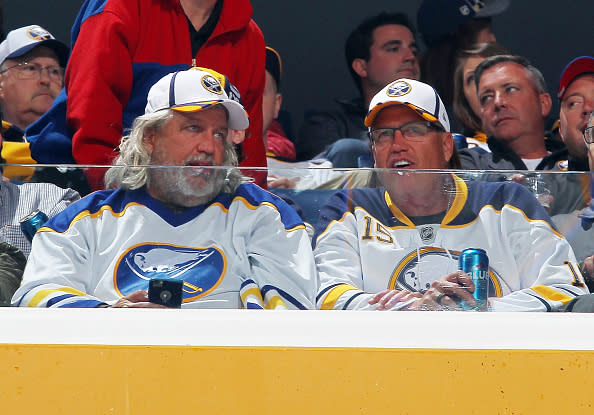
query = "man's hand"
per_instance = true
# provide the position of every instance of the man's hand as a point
(281, 182)
(387, 299)
(138, 299)
(447, 293)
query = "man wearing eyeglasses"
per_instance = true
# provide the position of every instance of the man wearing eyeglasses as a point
(397, 247)
(31, 76)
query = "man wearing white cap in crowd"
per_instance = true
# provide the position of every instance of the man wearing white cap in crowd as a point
(32, 65)
(397, 247)
(234, 245)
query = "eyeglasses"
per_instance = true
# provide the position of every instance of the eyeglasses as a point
(589, 135)
(414, 131)
(26, 70)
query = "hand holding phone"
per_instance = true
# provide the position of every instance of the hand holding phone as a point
(166, 292)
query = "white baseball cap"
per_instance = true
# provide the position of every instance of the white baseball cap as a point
(193, 90)
(20, 41)
(416, 95)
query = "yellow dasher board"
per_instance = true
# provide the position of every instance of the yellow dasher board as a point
(294, 362)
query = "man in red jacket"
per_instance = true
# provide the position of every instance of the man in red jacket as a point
(122, 47)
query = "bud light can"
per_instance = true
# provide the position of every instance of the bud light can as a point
(460, 141)
(32, 222)
(475, 263)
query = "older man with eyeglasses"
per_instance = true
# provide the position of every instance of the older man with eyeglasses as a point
(397, 247)
(31, 74)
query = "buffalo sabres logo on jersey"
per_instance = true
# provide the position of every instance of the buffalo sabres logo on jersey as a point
(421, 267)
(211, 84)
(201, 269)
(398, 88)
(38, 33)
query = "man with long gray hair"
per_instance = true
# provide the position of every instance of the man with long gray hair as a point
(176, 210)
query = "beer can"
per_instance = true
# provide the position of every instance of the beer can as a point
(460, 141)
(475, 263)
(32, 222)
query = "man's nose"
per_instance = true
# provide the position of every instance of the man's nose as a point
(206, 143)
(398, 141)
(44, 76)
(588, 106)
(409, 54)
(499, 99)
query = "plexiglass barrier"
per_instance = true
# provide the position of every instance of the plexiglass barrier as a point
(371, 231)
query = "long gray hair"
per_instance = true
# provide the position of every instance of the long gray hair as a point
(131, 168)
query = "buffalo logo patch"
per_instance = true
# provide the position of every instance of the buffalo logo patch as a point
(398, 88)
(212, 85)
(201, 269)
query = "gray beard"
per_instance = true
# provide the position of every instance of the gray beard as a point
(172, 187)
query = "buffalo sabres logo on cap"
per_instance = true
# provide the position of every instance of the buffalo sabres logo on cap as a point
(211, 84)
(38, 33)
(398, 88)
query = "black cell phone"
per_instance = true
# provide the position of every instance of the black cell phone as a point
(166, 292)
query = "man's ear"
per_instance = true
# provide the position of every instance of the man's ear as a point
(545, 103)
(278, 100)
(149, 140)
(360, 67)
(447, 142)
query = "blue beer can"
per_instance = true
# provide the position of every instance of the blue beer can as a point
(475, 263)
(32, 222)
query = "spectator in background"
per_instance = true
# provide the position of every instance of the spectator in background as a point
(448, 26)
(234, 245)
(32, 65)
(283, 171)
(381, 49)
(121, 47)
(467, 110)
(514, 103)
(397, 247)
(275, 141)
(576, 94)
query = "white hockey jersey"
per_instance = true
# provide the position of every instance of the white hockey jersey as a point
(247, 250)
(367, 244)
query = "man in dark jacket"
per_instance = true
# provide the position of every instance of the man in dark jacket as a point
(380, 50)
(514, 104)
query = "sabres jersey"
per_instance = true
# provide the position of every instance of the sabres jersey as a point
(249, 250)
(366, 244)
